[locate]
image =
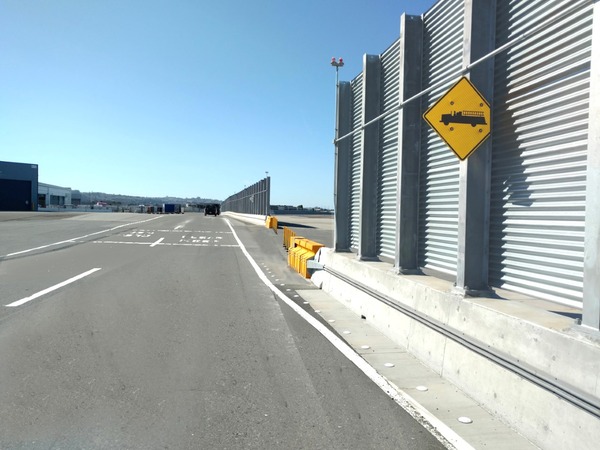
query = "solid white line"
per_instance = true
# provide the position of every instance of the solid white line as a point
(157, 242)
(415, 409)
(53, 288)
(81, 237)
(121, 242)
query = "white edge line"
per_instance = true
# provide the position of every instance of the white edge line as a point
(415, 409)
(52, 288)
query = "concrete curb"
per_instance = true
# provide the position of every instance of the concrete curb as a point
(545, 341)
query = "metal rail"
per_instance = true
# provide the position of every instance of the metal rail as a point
(542, 380)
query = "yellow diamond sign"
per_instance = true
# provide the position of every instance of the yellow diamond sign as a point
(461, 118)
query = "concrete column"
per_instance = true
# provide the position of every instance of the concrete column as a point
(367, 248)
(343, 158)
(591, 260)
(409, 140)
(475, 171)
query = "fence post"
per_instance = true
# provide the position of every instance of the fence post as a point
(341, 193)
(591, 259)
(409, 149)
(475, 171)
(367, 248)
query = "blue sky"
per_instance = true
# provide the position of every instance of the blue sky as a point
(183, 98)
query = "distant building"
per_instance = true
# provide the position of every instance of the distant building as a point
(75, 197)
(18, 186)
(50, 196)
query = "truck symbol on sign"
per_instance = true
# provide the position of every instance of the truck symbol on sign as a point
(470, 117)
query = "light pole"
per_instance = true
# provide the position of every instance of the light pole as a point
(337, 65)
(336, 215)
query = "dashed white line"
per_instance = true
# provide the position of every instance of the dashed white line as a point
(52, 288)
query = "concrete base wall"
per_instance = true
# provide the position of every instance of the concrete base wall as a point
(256, 219)
(524, 329)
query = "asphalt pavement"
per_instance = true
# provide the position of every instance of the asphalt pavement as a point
(149, 332)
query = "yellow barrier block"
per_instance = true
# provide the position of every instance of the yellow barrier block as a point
(303, 269)
(288, 235)
(294, 257)
(271, 222)
(293, 249)
(291, 257)
(300, 255)
(300, 251)
(312, 246)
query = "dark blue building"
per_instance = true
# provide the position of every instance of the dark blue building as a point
(18, 186)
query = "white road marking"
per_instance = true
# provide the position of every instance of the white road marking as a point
(157, 242)
(52, 288)
(78, 238)
(189, 231)
(166, 244)
(405, 401)
(121, 242)
(139, 234)
(182, 224)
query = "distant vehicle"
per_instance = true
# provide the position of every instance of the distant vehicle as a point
(171, 208)
(473, 118)
(213, 209)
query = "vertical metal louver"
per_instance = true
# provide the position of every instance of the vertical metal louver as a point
(541, 96)
(439, 171)
(388, 154)
(356, 87)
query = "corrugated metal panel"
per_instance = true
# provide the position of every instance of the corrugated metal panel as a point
(356, 87)
(539, 149)
(388, 154)
(439, 172)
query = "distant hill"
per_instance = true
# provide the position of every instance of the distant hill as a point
(118, 199)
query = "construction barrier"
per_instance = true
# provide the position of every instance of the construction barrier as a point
(300, 251)
(271, 222)
(288, 234)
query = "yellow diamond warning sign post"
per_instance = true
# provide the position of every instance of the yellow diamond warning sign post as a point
(461, 117)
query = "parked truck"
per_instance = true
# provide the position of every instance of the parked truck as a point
(172, 208)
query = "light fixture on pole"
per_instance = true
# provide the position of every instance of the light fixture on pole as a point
(337, 65)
